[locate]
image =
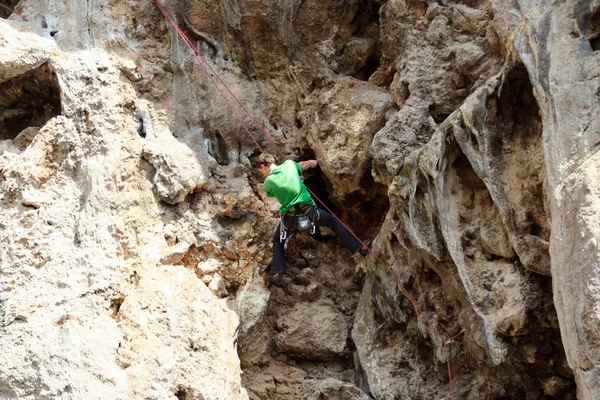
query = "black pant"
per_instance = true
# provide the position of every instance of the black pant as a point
(323, 218)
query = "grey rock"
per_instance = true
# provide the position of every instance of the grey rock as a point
(305, 276)
(405, 131)
(252, 303)
(312, 291)
(339, 124)
(568, 101)
(331, 389)
(313, 331)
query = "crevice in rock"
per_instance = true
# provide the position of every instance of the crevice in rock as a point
(370, 67)
(182, 394)
(115, 306)
(7, 7)
(362, 53)
(377, 204)
(29, 100)
(141, 129)
(516, 150)
(313, 179)
(588, 23)
(593, 31)
(315, 182)
(365, 214)
(362, 210)
(361, 377)
(217, 148)
(437, 115)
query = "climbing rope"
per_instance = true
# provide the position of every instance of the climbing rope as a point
(206, 67)
(202, 61)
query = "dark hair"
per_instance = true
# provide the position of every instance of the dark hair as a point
(265, 159)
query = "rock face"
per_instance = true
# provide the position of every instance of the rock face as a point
(456, 200)
(461, 137)
(312, 331)
(87, 307)
(568, 100)
(173, 334)
(340, 123)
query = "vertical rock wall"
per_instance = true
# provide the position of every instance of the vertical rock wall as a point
(566, 84)
(460, 136)
(93, 303)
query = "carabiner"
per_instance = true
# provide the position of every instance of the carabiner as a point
(283, 233)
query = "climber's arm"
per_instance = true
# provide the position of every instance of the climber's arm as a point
(308, 164)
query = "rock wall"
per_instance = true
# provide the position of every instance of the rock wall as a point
(459, 135)
(568, 101)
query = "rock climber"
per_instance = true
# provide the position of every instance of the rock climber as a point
(298, 210)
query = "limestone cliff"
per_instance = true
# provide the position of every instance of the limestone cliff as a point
(460, 136)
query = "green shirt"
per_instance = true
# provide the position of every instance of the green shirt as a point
(284, 183)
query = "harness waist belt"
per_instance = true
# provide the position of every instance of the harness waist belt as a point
(299, 209)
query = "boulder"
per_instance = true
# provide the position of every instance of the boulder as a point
(332, 389)
(339, 124)
(313, 331)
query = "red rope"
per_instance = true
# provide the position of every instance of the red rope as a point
(404, 291)
(196, 54)
(259, 126)
(203, 61)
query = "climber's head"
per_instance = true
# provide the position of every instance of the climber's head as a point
(264, 162)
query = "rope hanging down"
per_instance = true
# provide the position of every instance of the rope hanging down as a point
(211, 73)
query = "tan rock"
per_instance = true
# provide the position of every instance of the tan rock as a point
(217, 286)
(21, 49)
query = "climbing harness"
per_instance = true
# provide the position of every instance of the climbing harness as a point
(204, 64)
(304, 222)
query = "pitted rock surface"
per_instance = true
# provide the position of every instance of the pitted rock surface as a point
(135, 236)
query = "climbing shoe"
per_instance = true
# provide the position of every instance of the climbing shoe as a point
(276, 279)
(364, 250)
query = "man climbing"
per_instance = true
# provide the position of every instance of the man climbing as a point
(298, 210)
